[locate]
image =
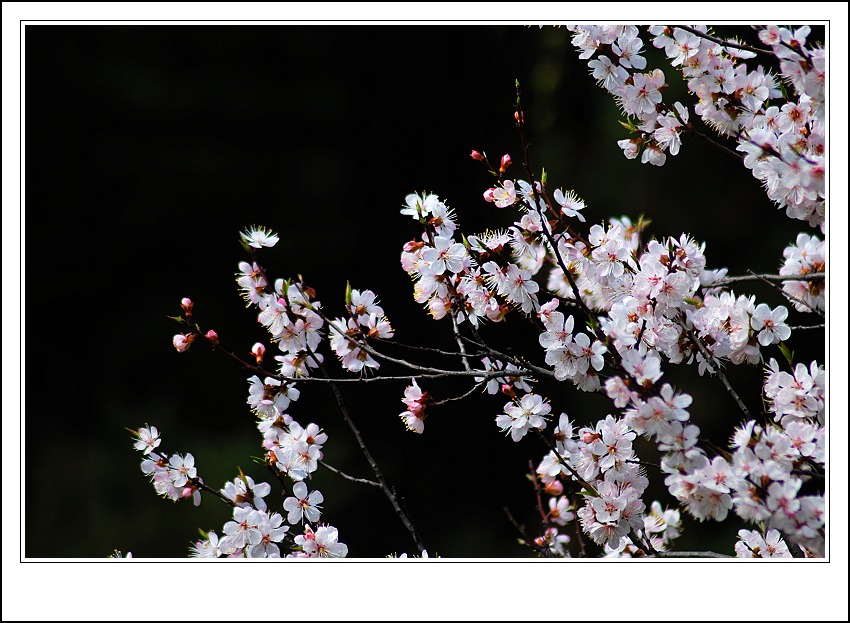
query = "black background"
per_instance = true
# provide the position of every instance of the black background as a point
(148, 148)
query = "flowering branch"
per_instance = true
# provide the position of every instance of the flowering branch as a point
(725, 44)
(388, 491)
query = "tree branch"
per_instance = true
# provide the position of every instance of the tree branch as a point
(725, 44)
(769, 278)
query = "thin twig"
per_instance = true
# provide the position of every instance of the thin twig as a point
(690, 555)
(778, 278)
(389, 492)
(200, 484)
(544, 516)
(363, 481)
(563, 462)
(459, 341)
(715, 144)
(437, 403)
(725, 44)
(426, 349)
(791, 297)
(528, 367)
(715, 366)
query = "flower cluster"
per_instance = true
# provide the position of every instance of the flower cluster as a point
(175, 478)
(797, 396)
(783, 144)
(415, 400)
(254, 531)
(611, 310)
(804, 257)
(347, 337)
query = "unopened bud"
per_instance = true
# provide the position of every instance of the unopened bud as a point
(187, 305)
(588, 436)
(506, 162)
(188, 491)
(183, 342)
(508, 390)
(476, 155)
(413, 246)
(488, 195)
(258, 351)
(554, 488)
(519, 116)
(212, 336)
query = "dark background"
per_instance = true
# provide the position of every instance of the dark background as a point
(148, 148)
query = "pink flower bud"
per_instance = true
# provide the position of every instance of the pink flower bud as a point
(588, 436)
(188, 491)
(183, 342)
(187, 305)
(413, 246)
(258, 351)
(554, 488)
(508, 390)
(476, 155)
(506, 162)
(212, 336)
(488, 195)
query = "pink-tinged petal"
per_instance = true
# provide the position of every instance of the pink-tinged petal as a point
(300, 490)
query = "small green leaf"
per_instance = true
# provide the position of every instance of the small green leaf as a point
(348, 293)
(787, 353)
